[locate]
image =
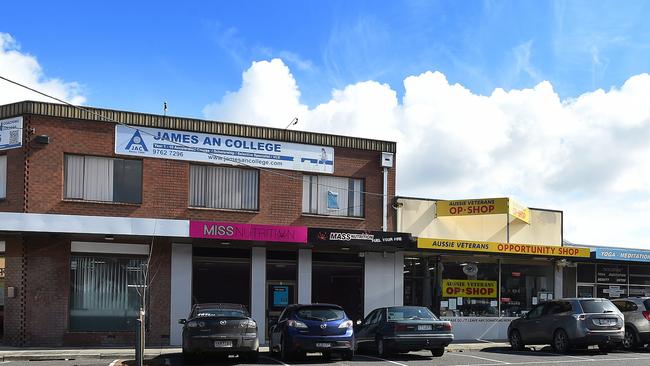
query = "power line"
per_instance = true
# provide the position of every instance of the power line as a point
(233, 161)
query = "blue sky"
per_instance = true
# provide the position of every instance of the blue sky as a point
(543, 101)
(133, 55)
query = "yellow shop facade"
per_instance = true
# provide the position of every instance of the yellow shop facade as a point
(480, 263)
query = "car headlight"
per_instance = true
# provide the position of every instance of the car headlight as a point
(248, 324)
(346, 324)
(296, 324)
(192, 324)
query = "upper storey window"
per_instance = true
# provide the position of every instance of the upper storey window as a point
(334, 196)
(94, 178)
(223, 187)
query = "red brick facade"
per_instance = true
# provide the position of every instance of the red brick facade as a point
(38, 265)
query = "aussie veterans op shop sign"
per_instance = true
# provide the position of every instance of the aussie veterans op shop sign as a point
(11, 133)
(252, 232)
(623, 254)
(203, 147)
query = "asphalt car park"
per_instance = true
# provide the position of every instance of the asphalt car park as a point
(490, 356)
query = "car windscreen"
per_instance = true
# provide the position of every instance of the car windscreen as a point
(647, 304)
(410, 313)
(320, 313)
(220, 313)
(598, 306)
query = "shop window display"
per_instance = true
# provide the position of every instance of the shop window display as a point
(524, 284)
(469, 288)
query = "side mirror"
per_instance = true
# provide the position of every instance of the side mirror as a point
(182, 321)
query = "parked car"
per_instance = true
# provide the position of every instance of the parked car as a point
(403, 329)
(321, 328)
(567, 323)
(220, 329)
(636, 311)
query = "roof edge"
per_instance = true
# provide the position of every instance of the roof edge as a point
(193, 124)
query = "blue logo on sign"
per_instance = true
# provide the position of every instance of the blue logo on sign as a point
(136, 143)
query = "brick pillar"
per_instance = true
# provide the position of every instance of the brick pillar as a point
(47, 289)
(14, 312)
(159, 294)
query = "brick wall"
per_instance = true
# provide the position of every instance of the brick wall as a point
(15, 183)
(39, 312)
(166, 183)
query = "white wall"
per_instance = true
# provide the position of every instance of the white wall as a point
(304, 276)
(258, 290)
(383, 280)
(181, 290)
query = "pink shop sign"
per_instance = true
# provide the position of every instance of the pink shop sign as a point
(253, 232)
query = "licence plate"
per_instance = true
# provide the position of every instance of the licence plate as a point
(222, 344)
(323, 345)
(606, 322)
(424, 327)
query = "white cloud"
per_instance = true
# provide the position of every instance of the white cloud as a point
(588, 156)
(25, 69)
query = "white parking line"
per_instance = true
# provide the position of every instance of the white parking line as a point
(275, 360)
(383, 359)
(499, 362)
(552, 362)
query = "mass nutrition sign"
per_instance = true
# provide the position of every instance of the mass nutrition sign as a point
(220, 149)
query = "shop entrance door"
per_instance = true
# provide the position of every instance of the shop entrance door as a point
(279, 294)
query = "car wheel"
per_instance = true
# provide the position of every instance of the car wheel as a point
(381, 347)
(560, 341)
(253, 356)
(190, 357)
(629, 341)
(285, 353)
(438, 352)
(348, 355)
(516, 343)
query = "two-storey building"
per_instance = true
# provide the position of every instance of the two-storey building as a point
(96, 205)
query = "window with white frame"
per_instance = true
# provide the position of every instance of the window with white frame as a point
(3, 176)
(94, 178)
(223, 187)
(335, 196)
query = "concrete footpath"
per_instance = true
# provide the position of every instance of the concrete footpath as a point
(42, 354)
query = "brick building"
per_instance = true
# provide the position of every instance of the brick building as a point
(224, 212)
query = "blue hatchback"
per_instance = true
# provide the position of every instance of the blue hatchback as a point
(321, 328)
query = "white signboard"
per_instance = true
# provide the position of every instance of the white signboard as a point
(11, 133)
(220, 149)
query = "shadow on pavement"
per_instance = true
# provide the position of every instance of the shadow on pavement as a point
(546, 351)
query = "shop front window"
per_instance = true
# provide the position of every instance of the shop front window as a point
(524, 284)
(469, 288)
(105, 292)
(419, 281)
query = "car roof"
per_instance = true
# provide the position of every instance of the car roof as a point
(316, 304)
(219, 305)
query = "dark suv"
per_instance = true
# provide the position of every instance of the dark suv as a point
(569, 323)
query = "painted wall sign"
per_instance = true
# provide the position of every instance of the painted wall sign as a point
(203, 147)
(623, 254)
(483, 206)
(358, 237)
(11, 133)
(469, 288)
(254, 232)
(506, 248)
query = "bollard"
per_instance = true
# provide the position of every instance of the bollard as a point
(139, 352)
